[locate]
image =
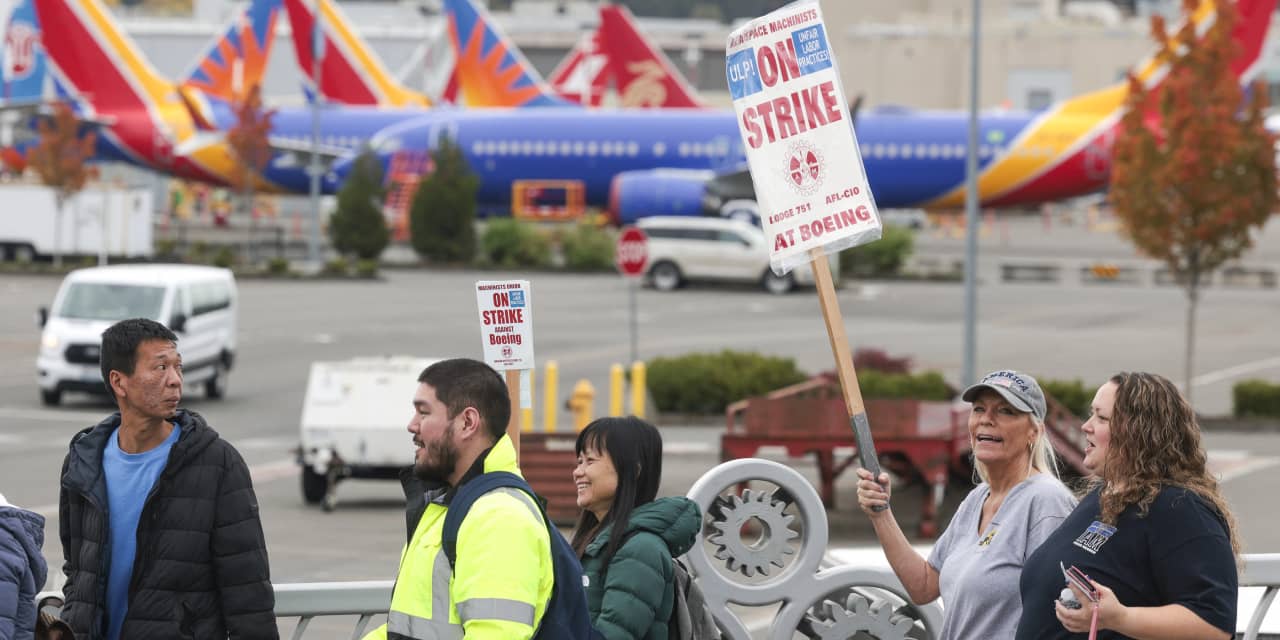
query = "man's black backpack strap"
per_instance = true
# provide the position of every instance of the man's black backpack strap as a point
(566, 616)
(467, 495)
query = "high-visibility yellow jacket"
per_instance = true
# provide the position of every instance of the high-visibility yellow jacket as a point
(503, 575)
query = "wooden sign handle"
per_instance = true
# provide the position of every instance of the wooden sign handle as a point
(513, 424)
(844, 363)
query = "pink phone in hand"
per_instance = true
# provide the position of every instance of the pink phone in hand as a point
(1081, 582)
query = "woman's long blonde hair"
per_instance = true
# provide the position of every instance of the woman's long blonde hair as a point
(1155, 442)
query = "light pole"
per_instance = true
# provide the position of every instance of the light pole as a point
(971, 212)
(317, 54)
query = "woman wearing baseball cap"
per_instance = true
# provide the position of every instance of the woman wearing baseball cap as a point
(1154, 537)
(976, 563)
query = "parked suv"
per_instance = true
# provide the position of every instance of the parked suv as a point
(683, 249)
(197, 303)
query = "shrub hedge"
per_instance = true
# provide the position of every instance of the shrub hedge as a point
(708, 382)
(511, 243)
(588, 247)
(1072, 394)
(1256, 398)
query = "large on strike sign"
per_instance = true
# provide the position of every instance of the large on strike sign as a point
(810, 182)
(506, 323)
(632, 251)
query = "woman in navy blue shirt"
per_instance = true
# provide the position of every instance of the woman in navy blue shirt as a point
(1154, 535)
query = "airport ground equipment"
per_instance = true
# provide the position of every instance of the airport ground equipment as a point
(918, 440)
(354, 423)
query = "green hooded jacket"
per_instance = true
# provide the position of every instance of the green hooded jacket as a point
(634, 599)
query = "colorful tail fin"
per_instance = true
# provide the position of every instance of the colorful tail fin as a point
(491, 70)
(644, 75)
(22, 63)
(350, 73)
(1079, 132)
(583, 76)
(236, 60)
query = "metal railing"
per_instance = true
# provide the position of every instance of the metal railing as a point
(307, 601)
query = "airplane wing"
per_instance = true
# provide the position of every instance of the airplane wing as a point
(301, 151)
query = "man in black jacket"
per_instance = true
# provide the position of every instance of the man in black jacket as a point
(157, 515)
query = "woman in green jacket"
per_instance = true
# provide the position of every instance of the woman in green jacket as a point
(627, 536)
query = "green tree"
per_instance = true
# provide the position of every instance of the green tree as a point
(358, 226)
(442, 216)
(1194, 173)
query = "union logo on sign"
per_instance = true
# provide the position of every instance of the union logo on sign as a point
(20, 46)
(805, 168)
(506, 352)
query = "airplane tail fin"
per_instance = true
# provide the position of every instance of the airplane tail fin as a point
(491, 70)
(236, 60)
(644, 75)
(1253, 20)
(22, 61)
(350, 72)
(97, 59)
(583, 76)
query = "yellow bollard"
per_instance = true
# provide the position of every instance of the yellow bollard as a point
(615, 390)
(549, 399)
(526, 414)
(637, 389)
(581, 403)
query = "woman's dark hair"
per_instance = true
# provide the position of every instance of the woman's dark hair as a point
(635, 448)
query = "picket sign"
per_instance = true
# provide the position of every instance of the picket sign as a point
(506, 335)
(810, 182)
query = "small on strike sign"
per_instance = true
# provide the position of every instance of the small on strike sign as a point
(506, 323)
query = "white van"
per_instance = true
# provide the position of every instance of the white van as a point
(198, 303)
(695, 248)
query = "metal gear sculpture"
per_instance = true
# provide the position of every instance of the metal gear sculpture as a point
(785, 564)
(835, 621)
(733, 513)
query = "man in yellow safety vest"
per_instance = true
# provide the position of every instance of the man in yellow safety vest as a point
(502, 577)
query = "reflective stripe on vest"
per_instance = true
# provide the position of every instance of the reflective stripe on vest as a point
(403, 624)
(437, 627)
(496, 609)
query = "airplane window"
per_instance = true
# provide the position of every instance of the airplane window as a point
(683, 150)
(959, 150)
(592, 148)
(659, 149)
(906, 151)
(577, 148)
(865, 150)
(477, 148)
(921, 150)
(633, 149)
(933, 151)
(877, 150)
(892, 150)
(607, 149)
(565, 148)
(502, 147)
(526, 147)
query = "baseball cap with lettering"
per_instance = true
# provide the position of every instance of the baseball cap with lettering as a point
(1019, 389)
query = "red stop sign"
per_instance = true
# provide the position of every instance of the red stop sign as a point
(632, 252)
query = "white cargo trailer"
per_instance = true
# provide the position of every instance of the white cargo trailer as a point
(355, 422)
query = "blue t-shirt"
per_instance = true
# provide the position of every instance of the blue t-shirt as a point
(130, 477)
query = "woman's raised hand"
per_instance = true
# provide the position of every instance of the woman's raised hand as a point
(872, 494)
